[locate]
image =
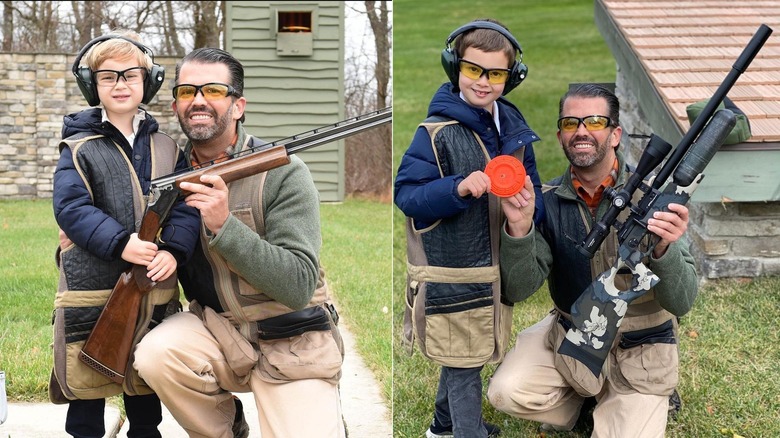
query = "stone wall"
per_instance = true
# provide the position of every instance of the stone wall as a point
(36, 91)
(736, 239)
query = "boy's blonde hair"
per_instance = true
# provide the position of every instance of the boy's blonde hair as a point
(487, 40)
(117, 48)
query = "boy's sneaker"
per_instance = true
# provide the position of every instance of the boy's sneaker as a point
(437, 431)
(493, 430)
(675, 404)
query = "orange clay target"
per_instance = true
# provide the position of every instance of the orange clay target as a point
(507, 175)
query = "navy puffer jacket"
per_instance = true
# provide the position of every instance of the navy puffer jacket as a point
(420, 191)
(94, 230)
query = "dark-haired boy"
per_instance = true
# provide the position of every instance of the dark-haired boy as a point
(456, 309)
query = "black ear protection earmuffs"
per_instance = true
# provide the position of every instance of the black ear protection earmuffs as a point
(451, 61)
(85, 79)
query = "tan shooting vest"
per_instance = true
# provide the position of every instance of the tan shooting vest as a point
(465, 329)
(314, 354)
(72, 379)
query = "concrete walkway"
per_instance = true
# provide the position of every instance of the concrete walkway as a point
(365, 411)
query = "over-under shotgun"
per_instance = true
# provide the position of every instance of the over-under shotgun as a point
(108, 347)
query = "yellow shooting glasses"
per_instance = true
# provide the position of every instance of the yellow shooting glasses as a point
(210, 91)
(592, 123)
(475, 71)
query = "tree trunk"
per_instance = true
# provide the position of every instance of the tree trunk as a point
(8, 25)
(87, 18)
(381, 27)
(369, 155)
(172, 44)
(206, 24)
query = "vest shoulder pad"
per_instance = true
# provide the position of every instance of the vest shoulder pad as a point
(163, 139)
(438, 120)
(76, 139)
(255, 142)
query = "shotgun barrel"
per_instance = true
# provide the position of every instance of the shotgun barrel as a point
(108, 348)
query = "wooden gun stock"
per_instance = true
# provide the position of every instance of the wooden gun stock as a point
(110, 342)
(108, 347)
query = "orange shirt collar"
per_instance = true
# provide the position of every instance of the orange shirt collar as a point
(196, 163)
(593, 201)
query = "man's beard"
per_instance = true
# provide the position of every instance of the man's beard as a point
(586, 160)
(202, 132)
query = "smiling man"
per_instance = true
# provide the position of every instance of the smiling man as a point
(258, 301)
(536, 381)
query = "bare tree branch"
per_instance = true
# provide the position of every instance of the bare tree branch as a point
(368, 167)
(169, 27)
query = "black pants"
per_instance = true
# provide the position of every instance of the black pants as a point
(86, 418)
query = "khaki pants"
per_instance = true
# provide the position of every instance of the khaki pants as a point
(185, 365)
(527, 385)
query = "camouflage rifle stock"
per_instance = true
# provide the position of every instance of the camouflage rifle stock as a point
(599, 311)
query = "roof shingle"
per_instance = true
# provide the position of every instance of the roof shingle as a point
(688, 47)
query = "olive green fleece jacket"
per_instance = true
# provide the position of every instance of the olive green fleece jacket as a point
(526, 262)
(284, 262)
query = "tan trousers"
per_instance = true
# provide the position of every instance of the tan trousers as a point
(527, 385)
(185, 365)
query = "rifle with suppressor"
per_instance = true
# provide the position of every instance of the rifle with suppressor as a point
(108, 347)
(599, 310)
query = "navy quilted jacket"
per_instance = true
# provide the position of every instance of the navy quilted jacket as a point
(91, 228)
(420, 191)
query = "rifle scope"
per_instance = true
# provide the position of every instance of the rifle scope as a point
(655, 151)
(697, 162)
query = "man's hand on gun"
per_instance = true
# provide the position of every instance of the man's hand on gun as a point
(669, 226)
(211, 198)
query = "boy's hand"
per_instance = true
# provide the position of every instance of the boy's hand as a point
(161, 267)
(476, 184)
(519, 210)
(64, 240)
(139, 252)
(211, 198)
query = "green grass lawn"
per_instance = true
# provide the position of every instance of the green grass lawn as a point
(356, 248)
(357, 245)
(729, 360)
(28, 238)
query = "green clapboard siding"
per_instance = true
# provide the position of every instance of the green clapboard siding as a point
(744, 176)
(289, 95)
